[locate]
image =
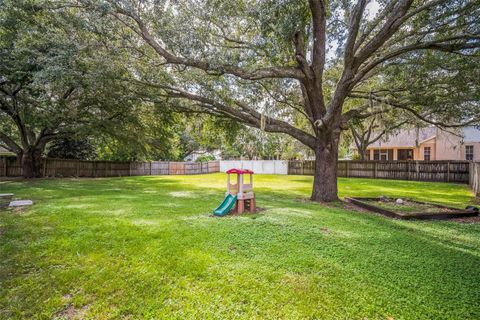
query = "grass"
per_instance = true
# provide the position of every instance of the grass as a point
(147, 247)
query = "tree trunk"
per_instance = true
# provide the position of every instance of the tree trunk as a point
(32, 162)
(325, 178)
(362, 151)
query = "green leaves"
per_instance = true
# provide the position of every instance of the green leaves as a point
(60, 79)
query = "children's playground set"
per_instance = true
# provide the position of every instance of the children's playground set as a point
(239, 194)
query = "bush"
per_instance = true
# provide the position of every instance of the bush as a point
(205, 158)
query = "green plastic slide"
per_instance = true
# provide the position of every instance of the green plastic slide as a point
(226, 205)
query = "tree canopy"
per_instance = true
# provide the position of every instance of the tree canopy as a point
(59, 81)
(292, 66)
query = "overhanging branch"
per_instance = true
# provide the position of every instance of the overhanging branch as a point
(256, 74)
(244, 114)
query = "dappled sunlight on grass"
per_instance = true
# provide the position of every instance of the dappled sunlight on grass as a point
(292, 212)
(149, 247)
(182, 194)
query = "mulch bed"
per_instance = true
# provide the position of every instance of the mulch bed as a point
(412, 209)
(467, 220)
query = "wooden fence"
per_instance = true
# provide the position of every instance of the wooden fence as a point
(475, 178)
(10, 167)
(444, 171)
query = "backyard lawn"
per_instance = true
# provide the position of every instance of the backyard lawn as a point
(148, 247)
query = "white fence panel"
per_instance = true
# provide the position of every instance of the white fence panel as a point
(257, 166)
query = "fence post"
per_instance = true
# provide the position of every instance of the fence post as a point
(470, 174)
(448, 171)
(347, 169)
(4, 166)
(476, 178)
(150, 167)
(375, 170)
(54, 167)
(417, 170)
(44, 168)
(129, 168)
(77, 168)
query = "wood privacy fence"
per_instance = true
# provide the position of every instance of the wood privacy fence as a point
(445, 171)
(475, 178)
(10, 167)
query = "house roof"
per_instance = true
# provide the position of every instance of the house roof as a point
(406, 138)
(4, 151)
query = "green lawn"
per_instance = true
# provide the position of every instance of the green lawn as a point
(147, 247)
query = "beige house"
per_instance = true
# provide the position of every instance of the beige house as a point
(428, 144)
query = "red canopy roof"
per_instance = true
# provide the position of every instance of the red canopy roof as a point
(240, 171)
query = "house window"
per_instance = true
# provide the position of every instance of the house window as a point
(426, 153)
(405, 154)
(383, 154)
(469, 152)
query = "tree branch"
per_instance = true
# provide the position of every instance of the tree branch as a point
(317, 8)
(389, 28)
(247, 115)
(261, 73)
(10, 143)
(303, 64)
(354, 26)
(438, 45)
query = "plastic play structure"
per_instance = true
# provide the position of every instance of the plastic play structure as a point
(239, 194)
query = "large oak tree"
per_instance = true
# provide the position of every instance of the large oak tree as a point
(265, 63)
(56, 81)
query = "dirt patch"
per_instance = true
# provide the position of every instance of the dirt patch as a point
(325, 230)
(470, 220)
(407, 206)
(71, 313)
(349, 206)
(17, 210)
(247, 212)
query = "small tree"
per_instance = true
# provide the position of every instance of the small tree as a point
(366, 132)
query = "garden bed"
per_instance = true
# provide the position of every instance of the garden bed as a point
(410, 209)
